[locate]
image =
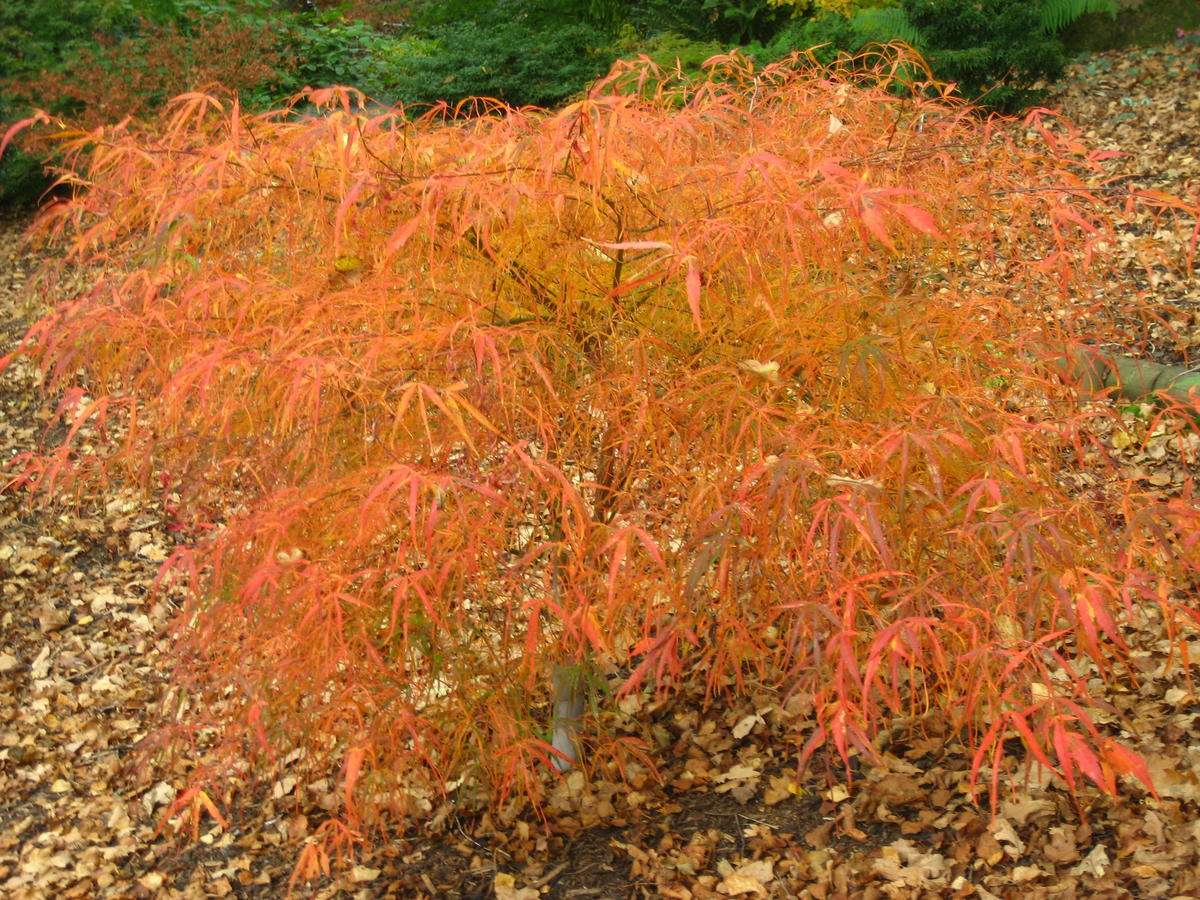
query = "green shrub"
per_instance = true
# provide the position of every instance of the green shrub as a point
(328, 50)
(829, 35)
(516, 53)
(678, 62)
(728, 21)
(425, 17)
(94, 61)
(135, 76)
(42, 36)
(22, 179)
(323, 46)
(385, 15)
(850, 7)
(676, 52)
(997, 50)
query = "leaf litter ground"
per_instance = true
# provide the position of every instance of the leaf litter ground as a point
(83, 679)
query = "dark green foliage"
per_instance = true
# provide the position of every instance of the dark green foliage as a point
(674, 52)
(995, 50)
(830, 34)
(425, 17)
(92, 61)
(745, 20)
(1055, 15)
(330, 51)
(680, 59)
(96, 59)
(22, 181)
(607, 15)
(39, 35)
(883, 25)
(687, 18)
(520, 52)
(730, 21)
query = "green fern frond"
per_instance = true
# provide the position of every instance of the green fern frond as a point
(883, 25)
(1057, 14)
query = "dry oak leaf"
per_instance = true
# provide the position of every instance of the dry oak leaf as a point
(1029, 808)
(152, 881)
(736, 885)
(737, 772)
(40, 667)
(1061, 846)
(51, 618)
(896, 790)
(504, 886)
(1003, 832)
(1022, 874)
(902, 862)
(988, 849)
(749, 878)
(746, 725)
(1095, 863)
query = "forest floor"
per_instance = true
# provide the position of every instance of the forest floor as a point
(83, 676)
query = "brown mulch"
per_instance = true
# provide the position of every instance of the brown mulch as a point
(83, 677)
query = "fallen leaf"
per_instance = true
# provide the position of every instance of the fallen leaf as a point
(504, 886)
(1060, 847)
(1023, 874)
(1003, 831)
(51, 618)
(40, 667)
(746, 725)
(736, 773)
(735, 885)
(1096, 863)
(151, 881)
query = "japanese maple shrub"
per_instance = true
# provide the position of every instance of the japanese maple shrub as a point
(749, 387)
